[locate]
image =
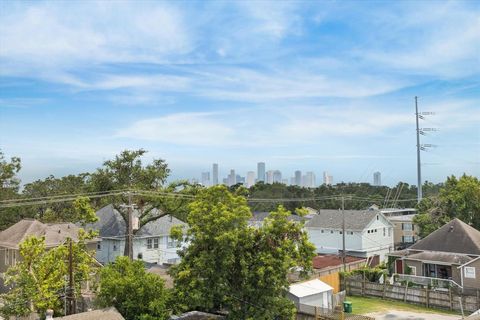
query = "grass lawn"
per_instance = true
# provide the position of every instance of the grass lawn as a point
(363, 305)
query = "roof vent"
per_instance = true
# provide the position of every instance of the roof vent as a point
(451, 228)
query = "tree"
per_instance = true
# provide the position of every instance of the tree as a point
(458, 198)
(144, 185)
(9, 187)
(39, 277)
(231, 266)
(136, 294)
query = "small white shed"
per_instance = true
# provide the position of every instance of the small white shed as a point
(313, 293)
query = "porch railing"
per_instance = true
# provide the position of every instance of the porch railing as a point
(428, 281)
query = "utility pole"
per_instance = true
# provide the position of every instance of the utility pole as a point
(130, 226)
(72, 303)
(419, 167)
(421, 147)
(343, 234)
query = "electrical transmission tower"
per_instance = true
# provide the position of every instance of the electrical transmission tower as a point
(421, 147)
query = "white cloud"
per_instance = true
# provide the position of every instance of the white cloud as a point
(199, 129)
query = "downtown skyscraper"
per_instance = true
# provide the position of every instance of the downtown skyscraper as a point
(261, 171)
(215, 174)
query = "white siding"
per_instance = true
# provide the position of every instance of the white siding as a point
(366, 243)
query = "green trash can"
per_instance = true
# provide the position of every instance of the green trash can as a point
(347, 307)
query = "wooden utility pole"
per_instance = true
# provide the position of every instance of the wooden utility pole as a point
(130, 226)
(72, 303)
(343, 235)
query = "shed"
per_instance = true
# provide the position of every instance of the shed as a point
(313, 293)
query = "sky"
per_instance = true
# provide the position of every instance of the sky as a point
(316, 86)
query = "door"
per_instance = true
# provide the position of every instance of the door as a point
(399, 266)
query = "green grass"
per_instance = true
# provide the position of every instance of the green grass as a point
(363, 305)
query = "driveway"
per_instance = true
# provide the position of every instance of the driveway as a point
(409, 315)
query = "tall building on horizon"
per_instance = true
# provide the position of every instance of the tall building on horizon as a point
(277, 176)
(298, 178)
(250, 179)
(377, 179)
(232, 178)
(309, 180)
(327, 179)
(269, 177)
(206, 179)
(261, 171)
(215, 174)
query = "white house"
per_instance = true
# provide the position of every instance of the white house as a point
(152, 243)
(314, 293)
(368, 233)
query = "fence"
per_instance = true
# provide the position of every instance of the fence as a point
(332, 280)
(427, 281)
(422, 296)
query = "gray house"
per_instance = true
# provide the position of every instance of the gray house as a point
(152, 243)
(451, 252)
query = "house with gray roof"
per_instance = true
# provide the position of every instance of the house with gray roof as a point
(451, 253)
(55, 234)
(151, 243)
(368, 233)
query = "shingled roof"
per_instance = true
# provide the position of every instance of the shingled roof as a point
(103, 314)
(111, 224)
(54, 233)
(332, 219)
(456, 236)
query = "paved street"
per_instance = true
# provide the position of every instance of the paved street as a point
(408, 315)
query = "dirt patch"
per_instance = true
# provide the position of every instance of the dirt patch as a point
(409, 315)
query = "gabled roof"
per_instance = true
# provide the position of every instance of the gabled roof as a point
(103, 314)
(441, 257)
(111, 224)
(456, 236)
(332, 219)
(308, 288)
(54, 233)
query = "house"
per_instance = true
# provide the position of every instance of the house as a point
(103, 314)
(451, 252)
(368, 233)
(55, 234)
(312, 293)
(405, 232)
(151, 243)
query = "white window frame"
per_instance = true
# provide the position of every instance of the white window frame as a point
(171, 243)
(407, 226)
(469, 272)
(149, 243)
(414, 270)
(155, 243)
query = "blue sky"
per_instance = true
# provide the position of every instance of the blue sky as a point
(317, 86)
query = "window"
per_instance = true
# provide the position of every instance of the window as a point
(155, 243)
(384, 232)
(376, 230)
(115, 248)
(407, 239)
(407, 226)
(99, 246)
(368, 231)
(149, 243)
(321, 231)
(470, 272)
(389, 232)
(414, 271)
(350, 232)
(378, 217)
(171, 243)
(331, 231)
(341, 232)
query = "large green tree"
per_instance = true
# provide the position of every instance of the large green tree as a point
(9, 188)
(231, 266)
(136, 294)
(144, 187)
(458, 198)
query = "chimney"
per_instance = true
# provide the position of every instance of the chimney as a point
(49, 314)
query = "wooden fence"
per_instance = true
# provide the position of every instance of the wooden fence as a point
(444, 299)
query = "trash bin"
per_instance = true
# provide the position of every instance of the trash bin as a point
(347, 306)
